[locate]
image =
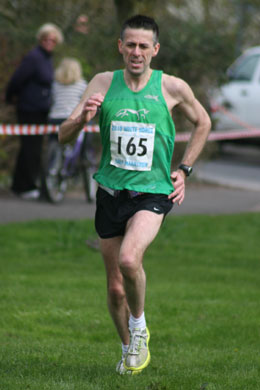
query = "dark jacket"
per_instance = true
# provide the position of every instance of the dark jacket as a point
(30, 86)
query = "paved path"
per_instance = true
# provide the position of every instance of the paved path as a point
(200, 199)
(236, 167)
(230, 184)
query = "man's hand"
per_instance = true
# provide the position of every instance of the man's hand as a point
(90, 107)
(178, 180)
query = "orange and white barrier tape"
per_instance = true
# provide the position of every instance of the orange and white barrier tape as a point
(222, 135)
(247, 131)
(9, 129)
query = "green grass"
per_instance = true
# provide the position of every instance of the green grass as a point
(202, 307)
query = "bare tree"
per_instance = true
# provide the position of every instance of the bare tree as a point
(128, 8)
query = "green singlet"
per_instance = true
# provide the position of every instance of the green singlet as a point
(137, 134)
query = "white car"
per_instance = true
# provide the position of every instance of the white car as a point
(236, 105)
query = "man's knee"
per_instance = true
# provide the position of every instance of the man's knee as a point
(116, 293)
(128, 264)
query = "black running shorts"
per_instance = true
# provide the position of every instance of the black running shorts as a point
(112, 213)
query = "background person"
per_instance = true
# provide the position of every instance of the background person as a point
(136, 186)
(67, 90)
(30, 90)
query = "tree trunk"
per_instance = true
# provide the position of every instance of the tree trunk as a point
(127, 8)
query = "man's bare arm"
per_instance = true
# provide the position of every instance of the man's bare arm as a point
(179, 94)
(87, 108)
(195, 113)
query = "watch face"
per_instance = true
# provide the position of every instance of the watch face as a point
(186, 169)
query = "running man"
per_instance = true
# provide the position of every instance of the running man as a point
(136, 186)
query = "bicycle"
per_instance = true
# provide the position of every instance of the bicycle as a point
(61, 163)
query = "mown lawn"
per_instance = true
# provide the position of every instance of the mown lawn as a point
(202, 307)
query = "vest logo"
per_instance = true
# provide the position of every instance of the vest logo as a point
(126, 111)
(153, 97)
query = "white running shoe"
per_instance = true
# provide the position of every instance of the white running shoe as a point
(30, 195)
(138, 356)
(120, 368)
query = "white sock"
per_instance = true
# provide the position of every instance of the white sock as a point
(137, 322)
(124, 349)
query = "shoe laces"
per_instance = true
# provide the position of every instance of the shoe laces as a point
(136, 338)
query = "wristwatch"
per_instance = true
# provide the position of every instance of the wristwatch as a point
(186, 169)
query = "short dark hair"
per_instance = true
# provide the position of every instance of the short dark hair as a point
(141, 21)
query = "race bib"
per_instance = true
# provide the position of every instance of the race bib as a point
(132, 145)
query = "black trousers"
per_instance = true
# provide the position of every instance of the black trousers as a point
(28, 163)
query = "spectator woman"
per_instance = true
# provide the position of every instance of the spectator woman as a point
(67, 90)
(30, 90)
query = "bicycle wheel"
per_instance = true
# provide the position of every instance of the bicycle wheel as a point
(89, 184)
(54, 183)
(88, 168)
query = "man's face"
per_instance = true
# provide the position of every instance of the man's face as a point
(138, 49)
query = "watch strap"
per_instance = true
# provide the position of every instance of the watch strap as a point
(187, 169)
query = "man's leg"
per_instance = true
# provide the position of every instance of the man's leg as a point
(116, 297)
(142, 228)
